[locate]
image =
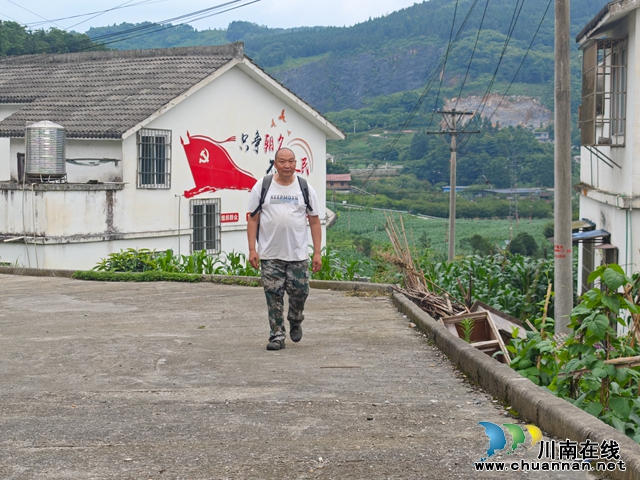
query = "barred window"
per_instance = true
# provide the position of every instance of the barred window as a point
(154, 158)
(604, 93)
(205, 223)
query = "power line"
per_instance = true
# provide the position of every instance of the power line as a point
(33, 13)
(519, 66)
(128, 5)
(140, 30)
(514, 21)
(166, 27)
(473, 52)
(418, 104)
(446, 59)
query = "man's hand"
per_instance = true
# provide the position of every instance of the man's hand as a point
(316, 264)
(254, 259)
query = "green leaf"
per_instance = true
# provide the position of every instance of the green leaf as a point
(524, 364)
(619, 424)
(611, 370)
(598, 326)
(592, 295)
(613, 279)
(620, 406)
(612, 302)
(579, 310)
(594, 409)
(600, 372)
(622, 375)
(634, 418)
(596, 273)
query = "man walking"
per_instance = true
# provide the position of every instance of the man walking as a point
(278, 224)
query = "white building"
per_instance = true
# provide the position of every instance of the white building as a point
(162, 148)
(610, 140)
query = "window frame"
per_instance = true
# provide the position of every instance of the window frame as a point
(604, 93)
(205, 235)
(154, 158)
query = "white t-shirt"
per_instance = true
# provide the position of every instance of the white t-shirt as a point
(283, 222)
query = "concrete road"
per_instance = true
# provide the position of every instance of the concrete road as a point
(173, 381)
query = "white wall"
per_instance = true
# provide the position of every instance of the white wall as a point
(230, 106)
(613, 185)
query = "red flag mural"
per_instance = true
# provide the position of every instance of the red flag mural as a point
(212, 167)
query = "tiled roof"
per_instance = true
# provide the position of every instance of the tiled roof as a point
(102, 94)
(338, 177)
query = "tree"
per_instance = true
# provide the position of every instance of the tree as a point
(523, 244)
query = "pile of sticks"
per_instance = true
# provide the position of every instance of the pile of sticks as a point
(436, 306)
(418, 288)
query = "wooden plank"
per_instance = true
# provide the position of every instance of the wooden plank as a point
(504, 324)
(503, 348)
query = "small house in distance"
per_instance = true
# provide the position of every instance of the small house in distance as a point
(339, 182)
(158, 149)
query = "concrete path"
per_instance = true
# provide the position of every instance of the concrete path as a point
(173, 381)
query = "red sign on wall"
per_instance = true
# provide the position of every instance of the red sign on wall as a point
(229, 217)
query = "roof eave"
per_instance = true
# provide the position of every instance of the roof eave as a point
(610, 13)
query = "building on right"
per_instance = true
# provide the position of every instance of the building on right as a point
(609, 121)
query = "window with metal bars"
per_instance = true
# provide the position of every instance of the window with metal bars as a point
(604, 93)
(154, 158)
(205, 225)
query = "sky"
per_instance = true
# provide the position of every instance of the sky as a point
(39, 14)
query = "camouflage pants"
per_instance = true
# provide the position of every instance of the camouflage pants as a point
(279, 276)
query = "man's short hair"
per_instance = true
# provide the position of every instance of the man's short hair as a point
(284, 148)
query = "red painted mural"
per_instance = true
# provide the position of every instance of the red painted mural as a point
(212, 167)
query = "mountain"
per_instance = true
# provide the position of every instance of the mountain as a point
(338, 68)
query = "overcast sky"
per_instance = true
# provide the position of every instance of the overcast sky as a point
(272, 13)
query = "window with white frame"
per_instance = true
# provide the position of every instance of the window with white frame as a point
(604, 93)
(205, 225)
(154, 158)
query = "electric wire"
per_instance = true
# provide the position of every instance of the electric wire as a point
(167, 27)
(473, 52)
(122, 5)
(71, 17)
(420, 100)
(512, 26)
(140, 30)
(33, 13)
(526, 53)
(524, 57)
(446, 59)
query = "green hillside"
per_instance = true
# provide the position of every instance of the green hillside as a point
(338, 68)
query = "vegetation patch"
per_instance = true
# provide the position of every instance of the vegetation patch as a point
(595, 367)
(149, 276)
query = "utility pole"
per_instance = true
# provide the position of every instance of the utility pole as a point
(563, 268)
(452, 119)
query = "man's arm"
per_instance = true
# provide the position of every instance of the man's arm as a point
(316, 238)
(252, 233)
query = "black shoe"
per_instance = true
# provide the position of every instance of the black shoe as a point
(295, 333)
(275, 345)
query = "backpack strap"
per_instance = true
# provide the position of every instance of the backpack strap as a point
(304, 186)
(266, 183)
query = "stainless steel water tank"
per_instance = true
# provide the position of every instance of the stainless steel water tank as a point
(45, 150)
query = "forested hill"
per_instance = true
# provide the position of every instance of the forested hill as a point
(335, 68)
